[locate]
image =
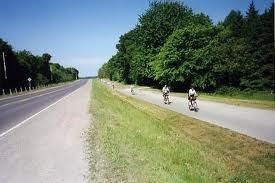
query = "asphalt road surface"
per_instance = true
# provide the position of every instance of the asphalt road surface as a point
(14, 110)
(41, 135)
(257, 123)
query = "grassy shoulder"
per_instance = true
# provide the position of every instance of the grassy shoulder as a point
(134, 141)
(256, 100)
(241, 100)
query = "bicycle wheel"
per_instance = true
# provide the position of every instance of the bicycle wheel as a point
(195, 105)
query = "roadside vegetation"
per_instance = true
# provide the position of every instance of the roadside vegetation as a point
(172, 45)
(21, 65)
(134, 141)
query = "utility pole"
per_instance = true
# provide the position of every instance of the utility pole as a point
(5, 69)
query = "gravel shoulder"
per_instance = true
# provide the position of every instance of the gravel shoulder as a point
(257, 123)
(50, 146)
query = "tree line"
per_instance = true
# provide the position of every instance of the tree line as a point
(21, 65)
(173, 45)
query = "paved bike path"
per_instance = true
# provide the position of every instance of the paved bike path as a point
(257, 123)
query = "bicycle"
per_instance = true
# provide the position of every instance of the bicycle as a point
(192, 104)
(166, 98)
(132, 91)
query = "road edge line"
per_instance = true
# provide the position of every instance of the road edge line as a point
(24, 121)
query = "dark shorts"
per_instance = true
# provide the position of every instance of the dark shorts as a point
(191, 97)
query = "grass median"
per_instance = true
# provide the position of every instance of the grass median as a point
(133, 141)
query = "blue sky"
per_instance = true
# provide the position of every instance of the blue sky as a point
(83, 33)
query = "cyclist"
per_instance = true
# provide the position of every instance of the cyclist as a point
(132, 90)
(165, 91)
(192, 95)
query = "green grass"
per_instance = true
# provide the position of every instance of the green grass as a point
(133, 141)
(256, 100)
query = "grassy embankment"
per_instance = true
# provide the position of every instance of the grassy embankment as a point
(134, 141)
(257, 100)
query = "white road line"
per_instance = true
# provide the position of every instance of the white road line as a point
(29, 98)
(21, 123)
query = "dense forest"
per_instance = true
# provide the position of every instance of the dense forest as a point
(21, 65)
(173, 45)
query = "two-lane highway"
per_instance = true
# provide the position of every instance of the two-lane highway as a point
(14, 110)
(43, 135)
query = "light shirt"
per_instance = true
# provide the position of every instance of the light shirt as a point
(192, 92)
(165, 90)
